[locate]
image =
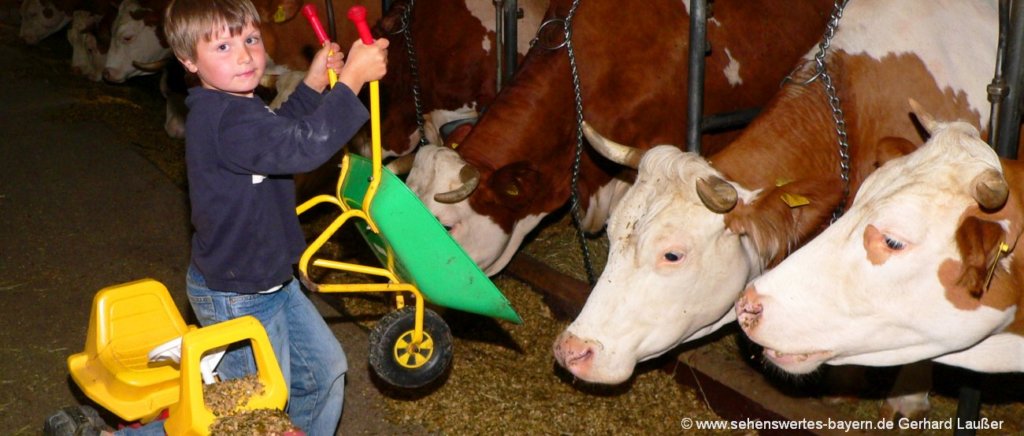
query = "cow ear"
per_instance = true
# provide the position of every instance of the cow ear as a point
(516, 184)
(391, 22)
(281, 11)
(773, 222)
(980, 244)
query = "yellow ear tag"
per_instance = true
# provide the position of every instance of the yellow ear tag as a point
(455, 145)
(1003, 248)
(794, 200)
(782, 181)
(280, 15)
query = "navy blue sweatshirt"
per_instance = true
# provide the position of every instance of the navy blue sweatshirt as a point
(240, 157)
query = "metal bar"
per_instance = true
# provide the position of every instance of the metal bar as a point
(511, 39)
(695, 84)
(997, 88)
(1010, 114)
(499, 36)
(729, 120)
(385, 6)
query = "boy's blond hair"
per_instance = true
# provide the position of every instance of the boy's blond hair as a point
(186, 21)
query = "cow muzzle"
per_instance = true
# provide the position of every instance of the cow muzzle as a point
(575, 354)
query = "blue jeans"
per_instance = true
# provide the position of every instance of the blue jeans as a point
(310, 356)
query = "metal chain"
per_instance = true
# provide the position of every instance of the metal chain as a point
(575, 202)
(833, 100)
(413, 70)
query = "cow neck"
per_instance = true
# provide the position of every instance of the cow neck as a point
(538, 107)
(795, 142)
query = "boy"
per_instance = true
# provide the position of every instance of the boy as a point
(240, 157)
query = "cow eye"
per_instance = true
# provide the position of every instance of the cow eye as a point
(894, 244)
(673, 257)
(128, 39)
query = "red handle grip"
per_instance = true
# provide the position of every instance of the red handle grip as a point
(309, 10)
(357, 14)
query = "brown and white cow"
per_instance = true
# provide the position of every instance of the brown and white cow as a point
(455, 48)
(632, 67)
(923, 266)
(692, 232)
(42, 18)
(137, 38)
(89, 37)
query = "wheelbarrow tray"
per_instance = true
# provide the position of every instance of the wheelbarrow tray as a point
(422, 251)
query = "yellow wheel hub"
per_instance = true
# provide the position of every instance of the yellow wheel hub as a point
(410, 354)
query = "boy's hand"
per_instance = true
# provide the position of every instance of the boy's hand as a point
(317, 77)
(366, 63)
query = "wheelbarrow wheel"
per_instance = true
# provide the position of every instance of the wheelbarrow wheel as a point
(401, 362)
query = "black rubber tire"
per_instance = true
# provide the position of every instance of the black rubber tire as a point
(410, 367)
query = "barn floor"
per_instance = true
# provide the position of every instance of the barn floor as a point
(91, 196)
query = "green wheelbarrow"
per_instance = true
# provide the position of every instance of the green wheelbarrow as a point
(411, 346)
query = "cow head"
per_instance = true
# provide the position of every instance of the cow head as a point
(674, 265)
(137, 46)
(88, 57)
(441, 170)
(39, 19)
(906, 274)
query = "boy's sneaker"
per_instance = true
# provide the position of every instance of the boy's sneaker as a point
(75, 421)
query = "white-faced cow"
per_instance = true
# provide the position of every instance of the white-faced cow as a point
(42, 18)
(514, 168)
(690, 233)
(137, 38)
(89, 36)
(923, 266)
(455, 50)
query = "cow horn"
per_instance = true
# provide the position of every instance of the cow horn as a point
(402, 164)
(990, 189)
(150, 67)
(470, 178)
(926, 119)
(717, 195)
(615, 152)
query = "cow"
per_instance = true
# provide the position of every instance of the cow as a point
(455, 50)
(42, 18)
(514, 167)
(922, 266)
(692, 232)
(89, 37)
(136, 39)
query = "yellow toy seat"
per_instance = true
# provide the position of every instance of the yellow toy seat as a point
(190, 416)
(127, 321)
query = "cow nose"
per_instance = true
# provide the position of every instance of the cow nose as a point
(573, 353)
(108, 74)
(748, 309)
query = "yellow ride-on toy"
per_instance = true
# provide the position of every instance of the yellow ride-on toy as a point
(141, 358)
(411, 346)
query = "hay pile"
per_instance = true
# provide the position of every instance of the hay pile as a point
(226, 400)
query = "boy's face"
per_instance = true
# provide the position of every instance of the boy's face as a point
(231, 64)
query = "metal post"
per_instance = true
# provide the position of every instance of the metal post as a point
(512, 16)
(499, 36)
(1010, 113)
(385, 6)
(695, 86)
